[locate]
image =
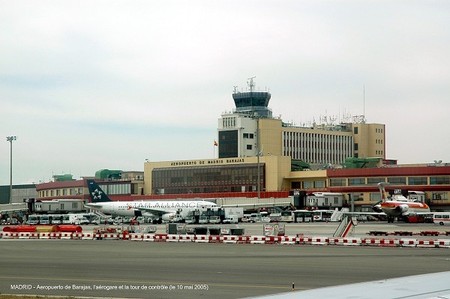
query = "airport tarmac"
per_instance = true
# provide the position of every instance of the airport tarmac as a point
(325, 229)
(188, 270)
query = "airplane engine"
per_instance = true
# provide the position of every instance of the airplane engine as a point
(168, 217)
(377, 208)
(402, 209)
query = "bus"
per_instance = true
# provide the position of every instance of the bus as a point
(441, 218)
(306, 216)
(324, 200)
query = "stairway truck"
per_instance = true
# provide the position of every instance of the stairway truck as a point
(234, 213)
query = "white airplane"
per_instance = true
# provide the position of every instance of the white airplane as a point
(430, 286)
(398, 205)
(157, 210)
(167, 210)
(392, 207)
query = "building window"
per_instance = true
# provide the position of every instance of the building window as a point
(249, 146)
(296, 185)
(439, 180)
(439, 195)
(401, 180)
(356, 181)
(355, 130)
(319, 184)
(417, 180)
(375, 180)
(375, 196)
(337, 182)
(308, 185)
(355, 146)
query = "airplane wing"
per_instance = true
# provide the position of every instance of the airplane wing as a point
(13, 207)
(256, 205)
(431, 286)
(154, 211)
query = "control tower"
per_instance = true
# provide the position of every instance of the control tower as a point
(253, 103)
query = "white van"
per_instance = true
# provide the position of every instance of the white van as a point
(441, 218)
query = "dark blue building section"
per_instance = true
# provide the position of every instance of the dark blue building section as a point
(228, 141)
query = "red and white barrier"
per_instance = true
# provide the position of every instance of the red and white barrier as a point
(34, 235)
(135, 237)
(371, 241)
(10, 235)
(24, 235)
(65, 236)
(77, 236)
(55, 235)
(87, 236)
(229, 239)
(345, 241)
(44, 235)
(125, 235)
(301, 239)
(186, 238)
(427, 243)
(408, 242)
(257, 239)
(201, 238)
(318, 240)
(148, 237)
(288, 240)
(443, 243)
(232, 239)
(110, 236)
(172, 238)
(160, 237)
(215, 239)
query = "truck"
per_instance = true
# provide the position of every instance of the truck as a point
(203, 219)
(231, 219)
(214, 219)
(235, 212)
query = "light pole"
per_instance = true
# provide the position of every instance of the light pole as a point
(258, 154)
(10, 139)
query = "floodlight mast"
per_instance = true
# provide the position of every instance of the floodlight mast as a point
(10, 139)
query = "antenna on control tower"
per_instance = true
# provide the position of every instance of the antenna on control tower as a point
(251, 83)
(364, 103)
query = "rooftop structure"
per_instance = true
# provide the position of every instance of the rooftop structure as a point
(252, 103)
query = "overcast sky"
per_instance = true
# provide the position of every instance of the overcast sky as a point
(87, 85)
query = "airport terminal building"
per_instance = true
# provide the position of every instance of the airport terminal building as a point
(260, 156)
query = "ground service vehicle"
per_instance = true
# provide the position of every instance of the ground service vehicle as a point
(231, 219)
(214, 219)
(324, 200)
(203, 219)
(441, 218)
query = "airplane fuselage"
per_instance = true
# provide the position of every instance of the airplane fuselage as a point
(403, 208)
(129, 208)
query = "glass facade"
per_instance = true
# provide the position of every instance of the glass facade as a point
(417, 180)
(228, 141)
(356, 181)
(440, 180)
(221, 178)
(375, 180)
(338, 182)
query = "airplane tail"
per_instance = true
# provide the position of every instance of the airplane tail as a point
(382, 191)
(96, 193)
